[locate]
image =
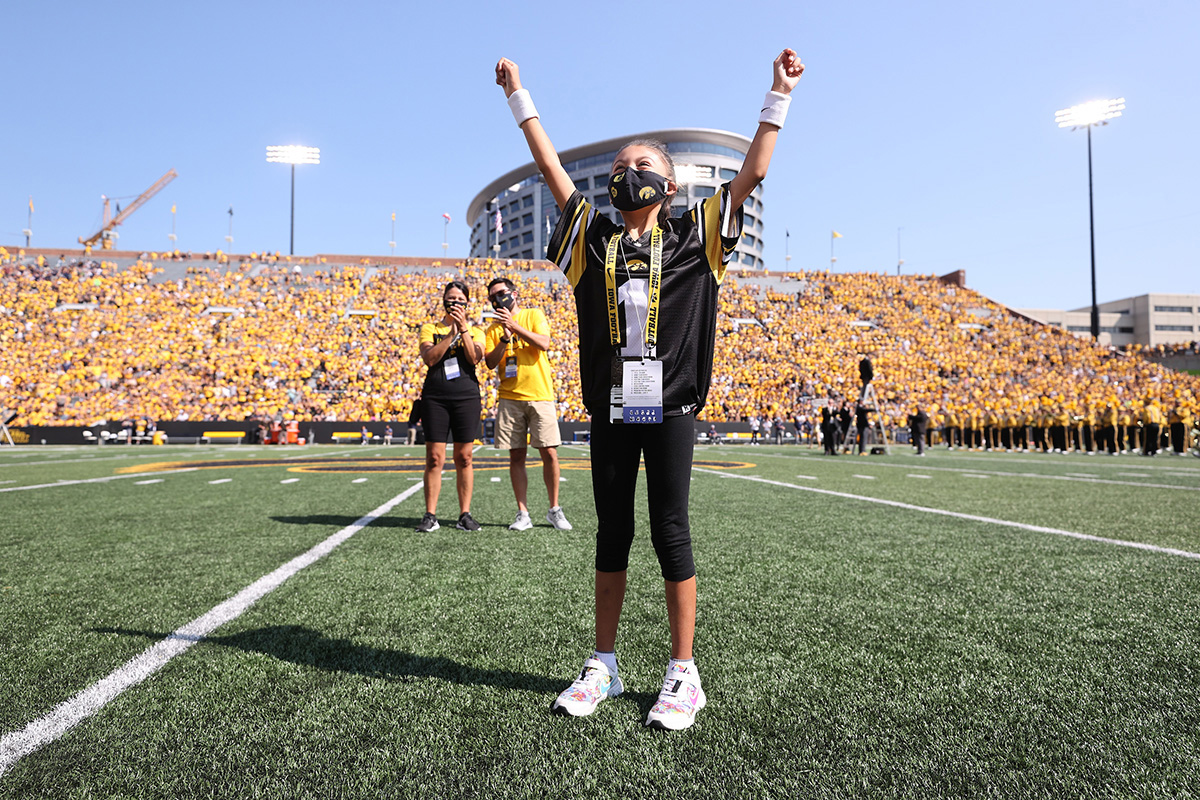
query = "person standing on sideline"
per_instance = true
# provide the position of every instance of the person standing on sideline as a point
(828, 431)
(1152, 418)
(450, 403)
(516, 345)
(755, 426)
(414, 422)
(861, 423)
(920, 427)
(646, 293)
(843, 427)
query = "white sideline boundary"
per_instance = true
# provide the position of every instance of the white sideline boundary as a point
(974, 518)
(978, 473)
(66, 715)
(97, 480)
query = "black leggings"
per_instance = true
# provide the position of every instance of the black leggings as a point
(617, 450)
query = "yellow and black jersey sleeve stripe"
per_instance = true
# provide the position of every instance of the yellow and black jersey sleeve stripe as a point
(568, 244)
(719, 228)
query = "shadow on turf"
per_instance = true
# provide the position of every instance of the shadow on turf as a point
(341, 521)
(302, 645)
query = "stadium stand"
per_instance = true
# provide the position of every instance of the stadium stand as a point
(92, 340)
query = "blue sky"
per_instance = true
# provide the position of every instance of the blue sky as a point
(936, 118)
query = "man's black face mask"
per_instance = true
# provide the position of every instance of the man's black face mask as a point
(504, 300)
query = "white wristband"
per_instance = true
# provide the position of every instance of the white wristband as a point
(775, 108)
(522, 106)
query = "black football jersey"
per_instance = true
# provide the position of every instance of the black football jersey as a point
(697, 248)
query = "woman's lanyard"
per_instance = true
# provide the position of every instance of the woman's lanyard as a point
(610, 284)
(450, 362)
(639, 395)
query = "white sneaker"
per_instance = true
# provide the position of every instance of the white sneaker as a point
(594, 684)
(522, 523)
(681, 697)
(558, 519)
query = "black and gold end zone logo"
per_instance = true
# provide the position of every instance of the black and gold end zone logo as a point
(399, 465)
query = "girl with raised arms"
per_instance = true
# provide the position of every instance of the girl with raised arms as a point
(646, 296)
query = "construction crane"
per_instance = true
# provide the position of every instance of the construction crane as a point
(107, 232)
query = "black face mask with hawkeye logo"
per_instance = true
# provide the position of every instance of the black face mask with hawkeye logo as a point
(636, 188)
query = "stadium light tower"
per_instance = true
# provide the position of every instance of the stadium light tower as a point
(1087, 115)
(293, 154)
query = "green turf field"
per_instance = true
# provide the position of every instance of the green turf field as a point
(852, 641)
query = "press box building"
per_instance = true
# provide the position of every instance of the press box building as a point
(704, 159)
(1148, 319)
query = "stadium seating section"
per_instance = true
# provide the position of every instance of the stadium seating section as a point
(94, 340)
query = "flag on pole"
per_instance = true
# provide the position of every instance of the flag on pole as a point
(393, 216)
(30, 204)
(446, 217)
(836, 235)
(231, 211)
(499, 223)
(172, 208)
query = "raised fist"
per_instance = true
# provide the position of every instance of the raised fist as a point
(507, 76)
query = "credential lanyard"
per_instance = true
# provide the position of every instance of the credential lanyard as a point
(610, 283)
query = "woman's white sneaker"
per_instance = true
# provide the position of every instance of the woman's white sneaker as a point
(681, 697)
(594, 684)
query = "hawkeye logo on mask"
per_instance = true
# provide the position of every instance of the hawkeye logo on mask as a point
(631, 189)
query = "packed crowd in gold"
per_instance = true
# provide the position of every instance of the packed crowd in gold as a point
(281, 341)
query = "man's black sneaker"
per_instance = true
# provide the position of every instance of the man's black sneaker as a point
(428, 523)
(467, 523)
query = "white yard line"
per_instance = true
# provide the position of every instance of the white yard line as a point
(95, 480)
(69, 461)
(942, 512)
(315, 455)
(977, 473)
(1130, 461)
(66, 715)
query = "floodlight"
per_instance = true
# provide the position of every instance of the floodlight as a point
(293, 154)
(1087, 115)
(1095, 112)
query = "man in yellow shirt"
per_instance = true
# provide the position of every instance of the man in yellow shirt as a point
(516, 347)
(1152, 418)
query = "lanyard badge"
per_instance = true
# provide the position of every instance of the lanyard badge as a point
(642, 391)
(638, 396)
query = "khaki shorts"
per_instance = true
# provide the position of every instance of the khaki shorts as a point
(515, 419)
